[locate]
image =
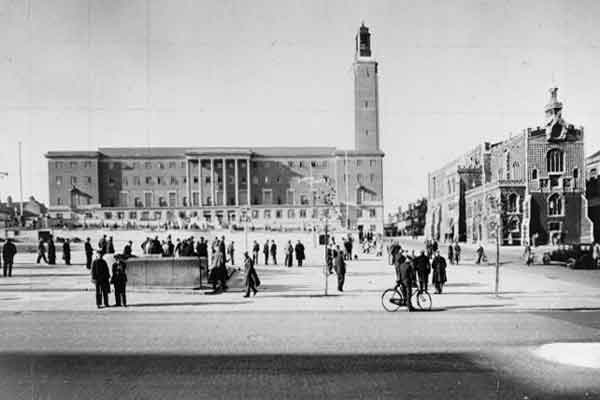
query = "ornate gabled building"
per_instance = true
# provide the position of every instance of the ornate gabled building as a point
(531, 186)
(276, 186)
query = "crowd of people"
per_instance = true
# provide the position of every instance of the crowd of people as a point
(414, 270)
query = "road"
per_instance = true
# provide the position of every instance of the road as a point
(154, 355)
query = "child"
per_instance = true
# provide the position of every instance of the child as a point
(119, 280)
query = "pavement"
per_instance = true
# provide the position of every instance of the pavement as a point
(536, 340)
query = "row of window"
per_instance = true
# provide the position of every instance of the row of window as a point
(72, 164)
(74, 180)
(256, 214)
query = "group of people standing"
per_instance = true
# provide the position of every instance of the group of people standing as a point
(412, 269)
(50, 259)
(269, 250)
(102, 279)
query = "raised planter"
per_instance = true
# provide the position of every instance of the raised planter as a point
(166, 272)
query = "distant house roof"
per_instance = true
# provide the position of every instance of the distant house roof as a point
(72, 154)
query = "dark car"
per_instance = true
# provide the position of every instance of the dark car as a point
(575, 256)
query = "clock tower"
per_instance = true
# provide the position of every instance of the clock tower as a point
(366, 98)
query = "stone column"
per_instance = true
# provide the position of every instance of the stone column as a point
(200, 203)
(212, 181)
(237, 189)
(224, 182)
(248, 181)
(188, 183)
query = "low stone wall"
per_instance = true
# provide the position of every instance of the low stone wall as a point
(165, 272)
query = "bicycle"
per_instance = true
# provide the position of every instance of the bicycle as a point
(392, 299)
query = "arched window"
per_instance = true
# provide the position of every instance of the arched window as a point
(513, 224)
(534, 174)
(513, 202)
(500, 173)
(555, 205)
(554, 160)
(516, 170)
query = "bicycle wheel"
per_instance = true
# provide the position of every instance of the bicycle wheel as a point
(391, 300)
(423, 300)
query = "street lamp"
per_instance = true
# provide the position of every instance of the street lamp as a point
(328, 192)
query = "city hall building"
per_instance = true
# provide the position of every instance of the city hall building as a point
(276, 187)
(531, 185)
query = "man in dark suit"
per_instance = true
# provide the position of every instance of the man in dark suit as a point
(340, 268)
(89, 252)
(299, 249)
(41, 252)
(67, 252)
(274, 252)
(8, 254)
(423, 269)
(255, 251)
(266, 252)
(101, 278)
(404, 278)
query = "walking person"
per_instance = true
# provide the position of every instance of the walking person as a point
(51, 252)
(423, 269)
(596, 254)
(451, 253)
(456, 252)
(299, 249)
(103, 245)
(8, 255)
(340, 269)
(41, 252)
(439, 272)
(230, 251)
(480, 254)
(266, 252)
(101, 279)
(119, 281)
(89, 252)
(255, 251)
(251, 277)
(67, 252)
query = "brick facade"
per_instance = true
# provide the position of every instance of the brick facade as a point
(530, 185)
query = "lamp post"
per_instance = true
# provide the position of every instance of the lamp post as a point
(2, 176)
(328, 192)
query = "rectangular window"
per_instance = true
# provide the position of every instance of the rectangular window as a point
(267, 214)
(111, 181)
(148, 180)
(161, 165)
(372, 178)
(267, 196)
(120, 215)
(278, 214)
(566, 183)
(255, 180)
(303, 199)
(59, 201)
(59, 180)
(266, 179)
(148, 199)
(291, 214)
(148, 165)
(195, 198)
(123, 199)
(358, 163)
(290, 196)
(73, 180)
(159, 180)
(172, 199)
(73, 164)
(132, 215)
(107, 215)
(372, 213)
(195, 180)
(173, 180)
(554, 181)
(373, 163)
(58, 164)
(313, 164)
(302, 213)
(87, 164)
(172, 164)
(291, 164)
(88, 180)
(301, 164)
(183, 164)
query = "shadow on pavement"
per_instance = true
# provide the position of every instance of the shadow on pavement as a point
(190, 303)
(257, 376)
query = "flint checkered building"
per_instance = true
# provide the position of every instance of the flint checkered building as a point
(530, 185)
(276, 186)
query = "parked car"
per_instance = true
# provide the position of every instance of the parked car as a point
(575, 256)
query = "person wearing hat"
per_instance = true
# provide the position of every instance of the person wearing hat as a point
(101, 279)
(251, 277)
(89, 253)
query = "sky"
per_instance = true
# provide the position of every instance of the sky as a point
(78, 75)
